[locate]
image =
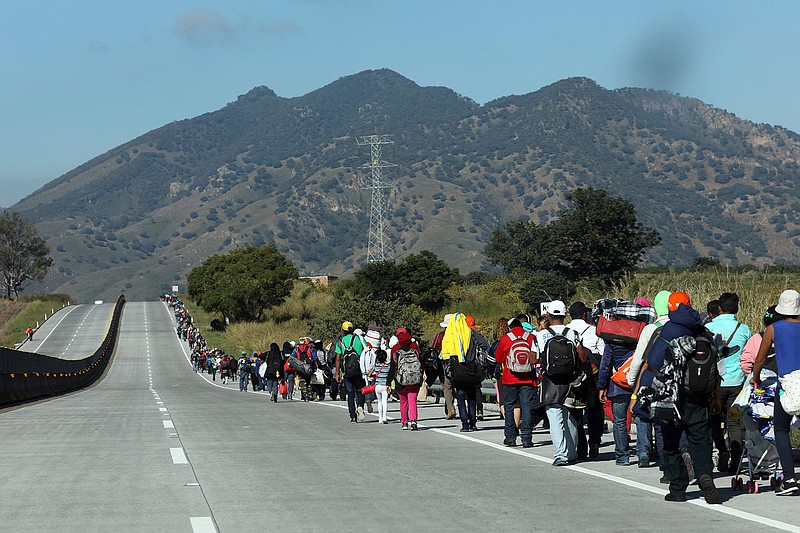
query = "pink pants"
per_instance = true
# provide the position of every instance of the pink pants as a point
(408, 403)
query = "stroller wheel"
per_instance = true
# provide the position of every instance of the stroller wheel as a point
(734, 483)
(739, 484)
(750, 487)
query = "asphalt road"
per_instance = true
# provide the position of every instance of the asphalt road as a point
(73, 332)
(109, 459)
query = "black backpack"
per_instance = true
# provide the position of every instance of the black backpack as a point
(351, 366)
(701, 376)
(560, 359)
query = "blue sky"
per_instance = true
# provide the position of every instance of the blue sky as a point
(81, 77)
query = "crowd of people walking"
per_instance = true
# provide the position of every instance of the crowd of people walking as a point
(689, 382)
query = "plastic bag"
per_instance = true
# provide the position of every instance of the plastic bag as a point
(790, 392)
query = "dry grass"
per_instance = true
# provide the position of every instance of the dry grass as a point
(756, 290)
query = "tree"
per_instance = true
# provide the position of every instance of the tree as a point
(601, 236)
(596, 238)
(420, 279)
(425, 278)
(243, 283)
(24, 255)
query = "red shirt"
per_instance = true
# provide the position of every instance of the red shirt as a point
(501, 354)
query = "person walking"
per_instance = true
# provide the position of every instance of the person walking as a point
(244, 372)
(514, 354)
(380, 376)
(274, 372)
(406, 371)
(348, 371)
(785, 334)
(444, 379)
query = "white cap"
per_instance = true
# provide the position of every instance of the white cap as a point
(557, 308)
(445, 321)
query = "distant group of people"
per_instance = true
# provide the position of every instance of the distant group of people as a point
(687, 380)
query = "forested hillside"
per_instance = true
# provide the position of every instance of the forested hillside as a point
(285, 170)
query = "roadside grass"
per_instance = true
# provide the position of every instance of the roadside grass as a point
(24, 313)
(285, 322)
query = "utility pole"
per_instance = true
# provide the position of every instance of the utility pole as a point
(378, 246)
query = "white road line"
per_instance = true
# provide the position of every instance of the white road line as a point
(722, 509)
(54, 327)
(168, 424)
(162, 409)
(178, 457)
(203, 524)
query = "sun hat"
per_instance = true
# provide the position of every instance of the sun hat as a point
(445, 321)
(557, 308)
(789, 303)
(347, 325)
(677, 298)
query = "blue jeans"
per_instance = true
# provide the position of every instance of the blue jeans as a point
(525, 395)
(354, 395)
(563, 432)
(619, 408)
(466, 406)
(644, 433)
(290, 383)
(243, 380)
(272, 386)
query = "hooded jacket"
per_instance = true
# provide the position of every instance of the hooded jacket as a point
(683, 321)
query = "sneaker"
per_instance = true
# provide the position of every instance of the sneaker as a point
(451, 415)
(710, 492)
(527, 445)
(414, 425)
(352, 420)
(644, 463)
(404, 426)
(687, 459)
(664, 479)
(560, 462)
(464, 430)
(509, 443)
(361, 415)
(674, 498)
(385, 421)
(787, 488)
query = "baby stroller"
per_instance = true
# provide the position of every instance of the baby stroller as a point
(759, 438)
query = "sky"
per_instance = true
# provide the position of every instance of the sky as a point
(80, 77)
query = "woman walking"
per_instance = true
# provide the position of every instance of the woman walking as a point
(786, 336)
(380, 375)
(406, 370)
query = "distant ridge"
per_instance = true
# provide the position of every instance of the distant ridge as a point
(270, 169)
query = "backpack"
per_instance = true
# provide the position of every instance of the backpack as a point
(560, 359)
(519, 353)
(700, 375)
(351, 366)
(409, 367)
(329, 358)
(304, 355)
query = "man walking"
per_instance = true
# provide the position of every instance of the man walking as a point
(348, 370)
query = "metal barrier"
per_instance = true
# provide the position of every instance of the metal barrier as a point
(26, 376)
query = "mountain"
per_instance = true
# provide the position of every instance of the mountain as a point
(286, 170)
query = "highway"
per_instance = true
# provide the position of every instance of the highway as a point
(155, 447)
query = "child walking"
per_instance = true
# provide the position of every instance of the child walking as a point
(380, 373)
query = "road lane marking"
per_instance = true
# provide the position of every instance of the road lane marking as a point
(162, 409)
(178, 457)
(736, 513)
(203, 524)
(168, 424)
(54, 327)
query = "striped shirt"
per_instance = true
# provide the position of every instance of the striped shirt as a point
(381, 373)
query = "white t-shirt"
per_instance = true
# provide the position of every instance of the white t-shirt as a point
(588, 335)
(543, 336)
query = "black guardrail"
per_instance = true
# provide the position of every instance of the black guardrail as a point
(26, 376)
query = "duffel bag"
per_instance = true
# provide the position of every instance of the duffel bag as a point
(623, 332)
